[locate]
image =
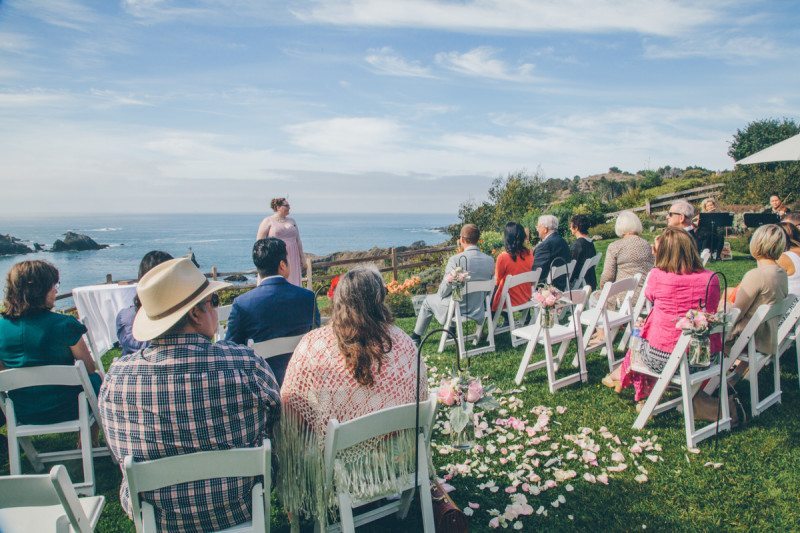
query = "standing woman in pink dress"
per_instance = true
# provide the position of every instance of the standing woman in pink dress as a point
(283, 227)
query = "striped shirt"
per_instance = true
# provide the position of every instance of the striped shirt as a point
(181, 395)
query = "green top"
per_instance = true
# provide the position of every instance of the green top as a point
(41, 338)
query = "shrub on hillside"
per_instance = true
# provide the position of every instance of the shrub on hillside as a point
(491, 243)
(400, 305)
(604, 231)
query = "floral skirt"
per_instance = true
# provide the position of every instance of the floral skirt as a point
(654, 359)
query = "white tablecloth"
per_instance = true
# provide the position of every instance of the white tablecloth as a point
(98, 306)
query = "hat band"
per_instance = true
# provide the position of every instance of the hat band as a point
(181, 303)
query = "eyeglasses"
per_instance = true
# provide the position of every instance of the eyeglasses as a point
(672, 213)
(213, 300)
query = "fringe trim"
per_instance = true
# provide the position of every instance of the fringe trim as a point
(367, 471)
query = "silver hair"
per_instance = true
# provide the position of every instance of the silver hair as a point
(548, 221)
(683, 207)
(628, 222)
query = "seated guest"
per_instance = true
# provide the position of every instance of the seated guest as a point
(356, 365)
(31, 334)
(275, 308)
(551, 247)
(183, 394)
(680, 215)
(480, 267)
(765, 284)
(792, 218)
(708, 239)
(629, 255)
(677, 284)
(790, 259)
(582, 249)
(125, 317)
(516, 259)
(776, 206)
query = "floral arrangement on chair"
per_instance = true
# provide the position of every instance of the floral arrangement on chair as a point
(463, 393)
(698, 324)
(457, 279)
(547, 297)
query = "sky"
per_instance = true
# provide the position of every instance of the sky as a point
(412, 106)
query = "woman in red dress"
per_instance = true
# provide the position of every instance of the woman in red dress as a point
(516, 259)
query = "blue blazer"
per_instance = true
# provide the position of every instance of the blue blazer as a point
(275, 308)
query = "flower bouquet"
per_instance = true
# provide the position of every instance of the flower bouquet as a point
(698, 324)
(547, 297)
(463, 393)
(457, 279)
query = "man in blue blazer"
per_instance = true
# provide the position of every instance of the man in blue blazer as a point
(275, 308)
(552, 246)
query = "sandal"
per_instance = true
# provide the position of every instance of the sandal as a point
(610, 382)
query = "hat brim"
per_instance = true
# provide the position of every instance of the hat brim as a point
(146, 329)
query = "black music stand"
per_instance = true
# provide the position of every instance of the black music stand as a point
(754, 220)
(714, 221)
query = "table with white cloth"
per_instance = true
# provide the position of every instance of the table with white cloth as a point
(98, 306)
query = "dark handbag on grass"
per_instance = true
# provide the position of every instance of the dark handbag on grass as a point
(447, 517)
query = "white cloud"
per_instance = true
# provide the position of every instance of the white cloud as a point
(387, 61)
(32, 98)
(14, 42)
(656, 17)
(481, 62)
(745, 48)
(63, 13)
(347, 135)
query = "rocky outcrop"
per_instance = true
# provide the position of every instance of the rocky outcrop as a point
(75, 242)
(338, 256)
(236, 278)
(12, 246)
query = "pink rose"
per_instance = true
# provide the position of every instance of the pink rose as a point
(475, 391)
(447, 393)
(550, 301)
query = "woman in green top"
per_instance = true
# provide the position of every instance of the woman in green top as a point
(32, 335)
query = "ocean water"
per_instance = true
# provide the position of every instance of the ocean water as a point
(224, 240)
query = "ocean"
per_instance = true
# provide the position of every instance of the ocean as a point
(223, 240)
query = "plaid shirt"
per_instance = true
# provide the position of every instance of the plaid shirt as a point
(184, 394)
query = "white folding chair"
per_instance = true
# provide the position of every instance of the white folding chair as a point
(561, 334)
(588, 265)
(454, 316)
(46, 502)
(705, 255)
(509, 308)
(677, 372)
(641, 308)
(19, 435)
(223, 314)
(274, 347)
(341, 436)
(607, 320)
(789, 333)
(152, 475)
(561, 270)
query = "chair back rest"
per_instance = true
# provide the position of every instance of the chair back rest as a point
(224, 312)
(513, 280)
(763, 313)
(479, 286)
(589, 264)
(159, 473)
(792, 321)
(277, 346)
(579, 298)
(561, 270)
(341, 436)
(611, 290)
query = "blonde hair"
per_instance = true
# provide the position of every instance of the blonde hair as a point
(713, 202)
(677, 252)
(627, 222)
(768, 242)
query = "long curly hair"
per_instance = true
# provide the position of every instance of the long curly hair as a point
(27, 285)
(514, 241)
(360, 321)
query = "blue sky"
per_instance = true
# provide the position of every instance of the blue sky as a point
(370, 105)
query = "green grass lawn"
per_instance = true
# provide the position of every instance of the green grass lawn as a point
(756, 487)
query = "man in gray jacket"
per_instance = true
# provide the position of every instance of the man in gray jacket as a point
(480, 267)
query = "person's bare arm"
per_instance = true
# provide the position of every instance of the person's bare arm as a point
(785, 263)
(81, 353)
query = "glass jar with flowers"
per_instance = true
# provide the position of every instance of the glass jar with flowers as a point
(463, 394)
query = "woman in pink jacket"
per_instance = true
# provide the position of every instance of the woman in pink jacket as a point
(676, 285)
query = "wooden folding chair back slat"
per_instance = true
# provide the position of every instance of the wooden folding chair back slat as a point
(561, 270)
(506, 306)
(454, 317)
(640, 308)
(277, 346)
(589, 264)
(789, 333)
(223, 315)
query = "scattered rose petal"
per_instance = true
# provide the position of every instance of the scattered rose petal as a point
(468, 511)
(641, 478)
(517, 525)
(561, 499)
(560, 409)
(569, 488)
(473, 505)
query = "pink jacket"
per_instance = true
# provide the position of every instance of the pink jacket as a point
(672, 296)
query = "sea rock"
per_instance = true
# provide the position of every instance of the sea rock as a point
(236, 278)
(76, 242)
(12, 246)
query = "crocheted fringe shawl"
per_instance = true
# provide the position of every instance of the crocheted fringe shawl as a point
(367, 471)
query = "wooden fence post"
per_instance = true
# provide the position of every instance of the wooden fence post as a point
(309, 275)
(647, 207)
(214, 273)
(394, 264)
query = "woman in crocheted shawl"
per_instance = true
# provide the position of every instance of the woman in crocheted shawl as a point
(358, 364)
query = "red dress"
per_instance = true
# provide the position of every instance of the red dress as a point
(506, 266)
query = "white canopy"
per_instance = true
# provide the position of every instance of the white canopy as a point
(788, 150)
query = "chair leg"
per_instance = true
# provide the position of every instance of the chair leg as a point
(405, 503)
(526, 357)
(550, 365)
(86, 447)
(776, 373)
(609, 348)
(753, 379)
(425, 501)
(346, 513)
(14, 464)
(688, 405)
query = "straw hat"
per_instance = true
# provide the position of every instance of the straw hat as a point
(167, 293)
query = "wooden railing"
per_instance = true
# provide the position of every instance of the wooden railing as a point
(662, 202)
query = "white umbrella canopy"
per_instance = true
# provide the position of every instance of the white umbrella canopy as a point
(787, 150)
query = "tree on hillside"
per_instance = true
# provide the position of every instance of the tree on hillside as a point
(761, 134)
(516, 194)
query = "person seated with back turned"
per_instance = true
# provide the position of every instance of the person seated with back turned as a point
(582, 249)
(125, 317)
(776, 206)
(480, 268)
(680, 215)
(275, 308)
(185, 394)
(514, 260)
(551, 247)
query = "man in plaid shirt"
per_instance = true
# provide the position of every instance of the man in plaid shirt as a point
(185, 394)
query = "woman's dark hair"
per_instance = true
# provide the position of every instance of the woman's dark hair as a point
(27, 285)
(360, 321)
(276, 203)
(581, 223)
(150, 260)
(792, 234)
(514, 240)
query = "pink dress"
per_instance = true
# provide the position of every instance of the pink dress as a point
(672, 296)
(286, 230)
